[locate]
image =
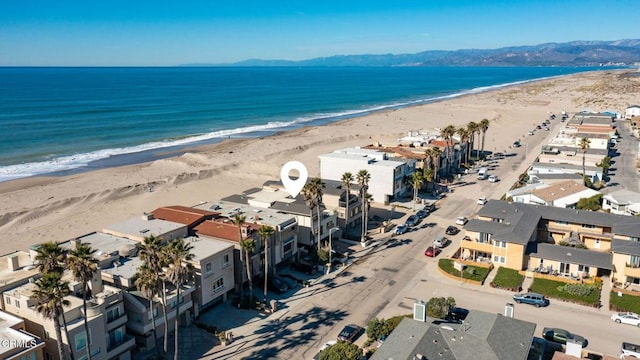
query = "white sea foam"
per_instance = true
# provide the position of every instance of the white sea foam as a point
(64, 163)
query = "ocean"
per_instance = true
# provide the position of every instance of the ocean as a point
(65, 120)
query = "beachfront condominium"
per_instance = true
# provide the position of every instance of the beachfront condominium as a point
(388, 175)
(16, 342)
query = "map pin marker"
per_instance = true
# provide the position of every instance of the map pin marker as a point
(293, 186)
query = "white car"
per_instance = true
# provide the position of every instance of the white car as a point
(440, 242)
(326, 345)
(493, 178)
(482, 200)
(461, 220)
(626, 318)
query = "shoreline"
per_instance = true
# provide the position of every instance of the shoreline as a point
(51, 208)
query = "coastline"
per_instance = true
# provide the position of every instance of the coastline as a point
(52, 208)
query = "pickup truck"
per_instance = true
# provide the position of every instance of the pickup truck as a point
(629, 349)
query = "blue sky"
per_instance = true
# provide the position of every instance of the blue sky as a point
(158, 33)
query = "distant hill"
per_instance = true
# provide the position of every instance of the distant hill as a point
(575, 53)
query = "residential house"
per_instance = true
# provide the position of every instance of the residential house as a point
(388, 176)
(335, 199)
(552, 178)
(571, 155)
(548, 239)
(138, 228)
(273, 196)
(16, 343)
(283, 246)
(631, 111)
(537, 168)
(564, 194)
(620, 202)
(482, 336)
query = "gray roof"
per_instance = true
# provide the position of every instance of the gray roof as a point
(237, 198)
(601, 260)
(538, 164)
(517, 226)
(334, 187)
(298, 207)
(620, 224)
(624, 196)
(558, 176)
(483, 336)
(625, 247)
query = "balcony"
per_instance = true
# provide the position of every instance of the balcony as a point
(127, 342)
(116, 322)
(632, 270)
(474, 244)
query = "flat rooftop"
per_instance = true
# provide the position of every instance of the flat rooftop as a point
(102, 243)
(254, 214)
(10, 335)
(139, 227)
(25, 268)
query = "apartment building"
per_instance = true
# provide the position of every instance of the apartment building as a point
(138, 228)
(387, 174)
(554, 240)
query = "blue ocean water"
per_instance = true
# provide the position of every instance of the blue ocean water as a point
(61, 119)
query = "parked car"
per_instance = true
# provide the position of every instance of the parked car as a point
(323, 347)
(401, 229)
(456, 314)
(422, 214)
(561, 336)
(493, 178)
(432, 251)
(451, 230)
(629, 349)
(626, 318)
(278, 284)
(482, 201)
(461, 220)
(303, 268)
(530, 133)
(531, 298)
(412, 220)
(350, 333)
(516, 144)
(440, 242)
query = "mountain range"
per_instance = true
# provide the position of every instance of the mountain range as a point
(575, 53)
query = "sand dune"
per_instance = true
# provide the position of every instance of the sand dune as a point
(48, 208)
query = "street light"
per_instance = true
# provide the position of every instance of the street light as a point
(331, 246)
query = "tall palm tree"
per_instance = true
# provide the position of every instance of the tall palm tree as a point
(312, 195)
(416, 183)
(83, 266)
(179, 271)
(249, 245)
(49, 298)
(153, 257)
(605, 164)
(428, 176)
(428, 161)
(237, 220)
(436, 155)
(464, 138)
(265, 232)
(347, 180)
(484, 126)
(447, 134)
(472, 127)
(148, 283)
(50, 257)
(363, 177)
(318, 185)
(309, 197)
(584, 144)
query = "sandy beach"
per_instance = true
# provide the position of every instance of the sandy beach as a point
(39, 209)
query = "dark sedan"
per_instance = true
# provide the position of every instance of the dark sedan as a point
(451, 230)
(561, 336)
(350, 333)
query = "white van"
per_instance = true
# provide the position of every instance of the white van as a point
(482, 173)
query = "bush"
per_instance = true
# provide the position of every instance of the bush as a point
(379, 328)
(508, 279)
(551, 289)
(439, 307)
(341, 350)
(577, 289)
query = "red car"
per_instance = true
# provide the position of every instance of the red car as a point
(432, 251)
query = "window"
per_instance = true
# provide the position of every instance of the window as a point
(583, 268)
(634, 261)
(7, 300)
(218, 285)
(562, 223)
(502, 244)
(588, 226)
(225, 260)
(496, 220)
(81, 340)
(115, 337)
(17, 304)
(499, 259)
(484, 237)
(113, 314)
(288, 247)
(208, 269)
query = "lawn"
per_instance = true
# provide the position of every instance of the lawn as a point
(624, 302)
(475, 273)
(550, 289)
(508, 279)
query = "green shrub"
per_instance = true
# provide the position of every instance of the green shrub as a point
(577, 289)
(438, 307)
(379, 328)
(551, 288)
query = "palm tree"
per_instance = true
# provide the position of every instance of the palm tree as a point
(363, 177)
(464, 138)
(312, 195)
(265, 232)
(428, 161)
(50, 258)
(436, 154)
(249, 245)
(428, 175)
(584, 145)
(484, 126)
(49, 297)
(347, 180)
(447, 134)
(148, 283)
(237, 220)
(416, 183)
(179, 270)
(153, 257)
(605, 164)
(83, 266)
(472, 127)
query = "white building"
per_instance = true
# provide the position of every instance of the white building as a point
(631, 111)
(387, 175)
(620, 202)
(564, 194)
